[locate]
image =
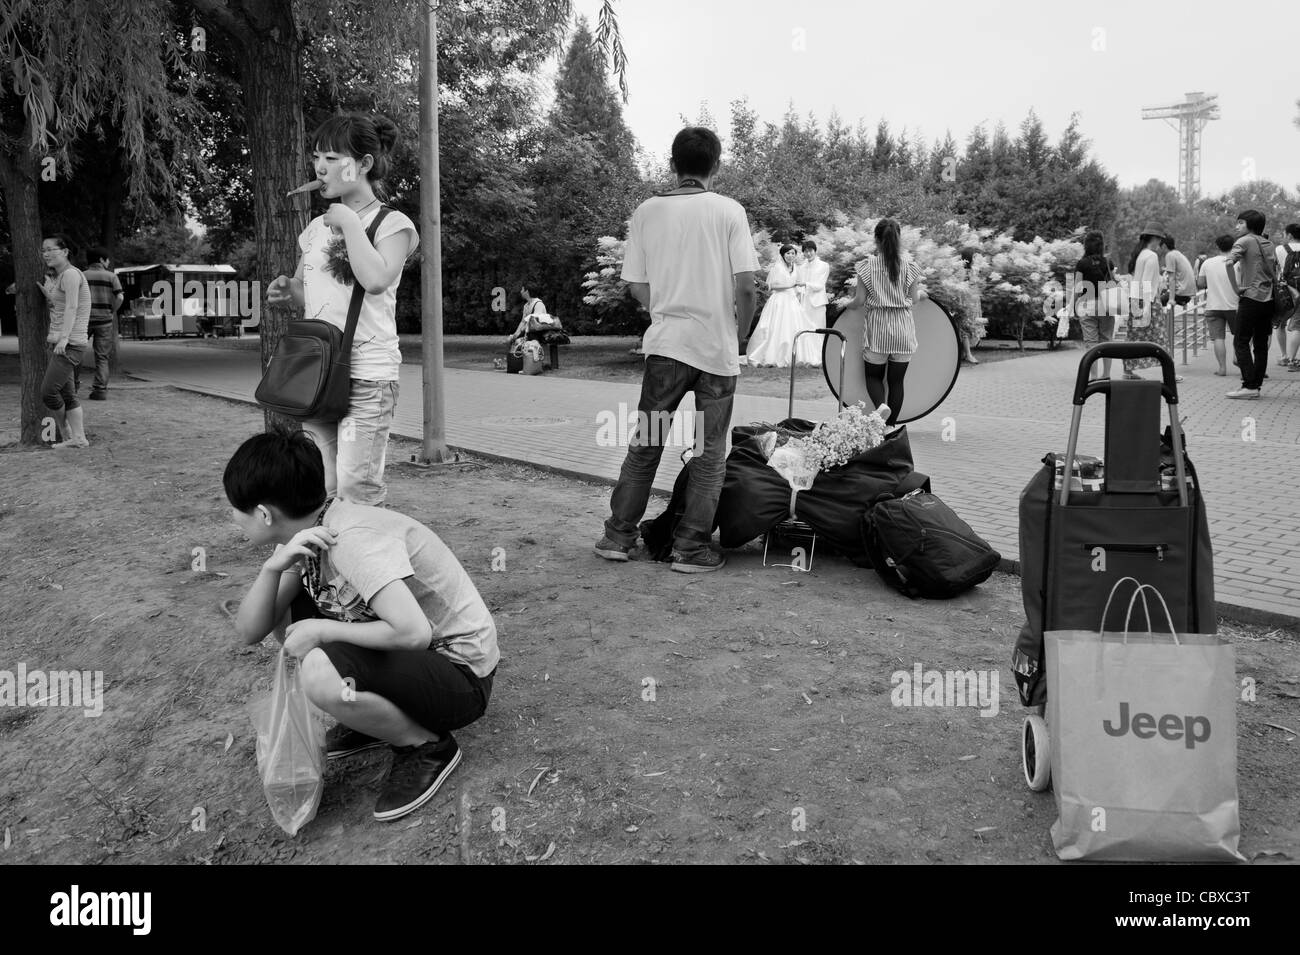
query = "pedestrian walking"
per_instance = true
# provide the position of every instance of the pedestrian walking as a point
(105, 300)
(1255, 307)
(1221, 296)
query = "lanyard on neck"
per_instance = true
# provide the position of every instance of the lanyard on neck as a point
(686, 184)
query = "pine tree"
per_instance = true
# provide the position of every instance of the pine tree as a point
(585, 181)
(585, 105)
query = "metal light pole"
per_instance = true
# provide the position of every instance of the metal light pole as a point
(434, 450)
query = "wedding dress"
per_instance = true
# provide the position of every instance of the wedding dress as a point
(783, 316)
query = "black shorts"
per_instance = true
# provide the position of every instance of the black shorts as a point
(427, 686)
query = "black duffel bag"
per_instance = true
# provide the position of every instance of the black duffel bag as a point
(755, 498)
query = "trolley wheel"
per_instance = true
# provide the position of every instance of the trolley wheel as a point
(1036, 753)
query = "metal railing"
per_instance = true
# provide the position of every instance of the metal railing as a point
(1188, 326)
(1184, 327)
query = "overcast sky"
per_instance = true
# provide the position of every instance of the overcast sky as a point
(950, 65)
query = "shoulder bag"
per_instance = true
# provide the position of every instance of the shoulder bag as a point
(310, 374)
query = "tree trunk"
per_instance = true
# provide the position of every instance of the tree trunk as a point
(114, 197)
(18, 178)
(273, 90)
(269, 49)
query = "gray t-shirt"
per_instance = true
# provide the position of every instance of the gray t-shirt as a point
(375, 547)
(1255, 253)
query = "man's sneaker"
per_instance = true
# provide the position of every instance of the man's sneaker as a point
(1244, 393)
(343, 741)
(610, 550)
(699, 562)
(414, 777)
(98, 396)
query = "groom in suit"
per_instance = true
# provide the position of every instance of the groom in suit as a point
(812, 275)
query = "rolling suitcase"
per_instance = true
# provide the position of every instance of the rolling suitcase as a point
(1138, 513)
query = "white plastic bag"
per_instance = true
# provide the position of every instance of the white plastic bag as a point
(290, 748)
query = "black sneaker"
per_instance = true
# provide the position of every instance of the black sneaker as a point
(611, 550)
(98, 396)
(343, 741)
(414, 777)
(698, 562)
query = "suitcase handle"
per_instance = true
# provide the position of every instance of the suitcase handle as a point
(1123, 350)
(794, 351)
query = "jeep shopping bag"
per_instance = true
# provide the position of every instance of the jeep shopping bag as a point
(1143, 744)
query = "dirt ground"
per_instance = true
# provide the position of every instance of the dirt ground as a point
(770, 736)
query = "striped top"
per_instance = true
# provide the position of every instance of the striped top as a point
(104, 289)
(882, 292)
(890, 328)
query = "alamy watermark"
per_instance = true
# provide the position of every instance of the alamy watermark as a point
(83, 688)
(229, 298)
(934, 688)
(628, 427)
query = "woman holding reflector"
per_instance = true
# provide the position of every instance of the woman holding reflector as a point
(889, 282)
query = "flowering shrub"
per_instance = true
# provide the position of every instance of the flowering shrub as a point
(607, 293)
(1016, 279)
(943, 271)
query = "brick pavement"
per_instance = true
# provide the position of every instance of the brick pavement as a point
(1000, 418)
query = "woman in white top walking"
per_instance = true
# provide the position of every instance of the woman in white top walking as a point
(351, 158)
(889, 282)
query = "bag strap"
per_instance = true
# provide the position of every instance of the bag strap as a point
(1272, 262)
(913, 481)
(359, 290)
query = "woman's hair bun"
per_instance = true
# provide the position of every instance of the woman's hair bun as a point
(386, 130)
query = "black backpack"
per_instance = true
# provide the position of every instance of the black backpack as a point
(1291, 268)
(921, 548)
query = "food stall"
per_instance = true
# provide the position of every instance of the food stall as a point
(183, 299)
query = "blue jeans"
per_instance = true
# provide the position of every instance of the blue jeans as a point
(665, 383)
(101, 336)
(355, 449)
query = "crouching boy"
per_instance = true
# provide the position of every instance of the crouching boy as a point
(403, 650)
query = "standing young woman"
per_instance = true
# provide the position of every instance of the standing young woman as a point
(1146, 318)
(1093, 306)
(68, 295)
(351, 157)
(889, 282)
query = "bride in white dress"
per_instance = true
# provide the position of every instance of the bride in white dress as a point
(783, 316)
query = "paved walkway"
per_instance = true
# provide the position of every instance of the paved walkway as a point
(1000, 420)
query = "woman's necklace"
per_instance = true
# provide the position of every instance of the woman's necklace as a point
(367, 205)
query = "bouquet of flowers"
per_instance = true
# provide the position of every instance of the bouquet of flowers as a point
(832, 443)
